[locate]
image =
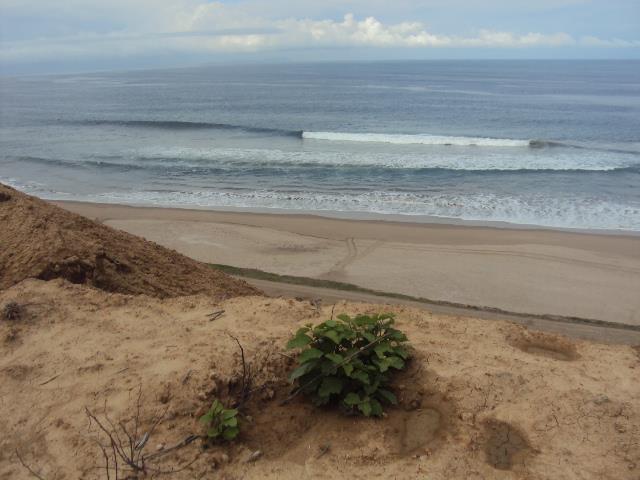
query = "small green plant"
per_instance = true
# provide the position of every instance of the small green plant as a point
(348, 361)
(221, 423)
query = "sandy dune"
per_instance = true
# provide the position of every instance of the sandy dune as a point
(40, 240)
(522, 270)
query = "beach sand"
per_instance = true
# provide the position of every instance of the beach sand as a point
(480, 400)
(538, 271)
(148, 351)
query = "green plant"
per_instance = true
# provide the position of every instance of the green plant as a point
(348, 361)
(221, 423)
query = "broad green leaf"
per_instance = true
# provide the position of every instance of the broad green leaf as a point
(333, 336)
(348, 368)
(327, 367)
(360, 376)
(309, 354)
(230, 413)
(371, 389)
(362, 320)
(301, 370)
(396, 362)
(216, 407)
(388, 396)
(376, 408)
(335, 358)
(329, 386)
(382, 348)
(401, 352)
(230, 422)
(331, 323)
(399, 336)
(352, 399)
(300, 340)
(383, 364)
(207, 418)
(344, 317)
(230, 433)
(369, 336)
(365, 408)
(213, 432)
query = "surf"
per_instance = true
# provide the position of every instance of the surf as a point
(416, 139)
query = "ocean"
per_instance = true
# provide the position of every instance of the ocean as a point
(547, 143)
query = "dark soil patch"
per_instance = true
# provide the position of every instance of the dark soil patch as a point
(546, 345)
(505, 446)
(421, 428)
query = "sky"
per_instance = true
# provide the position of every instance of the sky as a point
(42, 36)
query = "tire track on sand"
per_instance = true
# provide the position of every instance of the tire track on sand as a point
(352, 254)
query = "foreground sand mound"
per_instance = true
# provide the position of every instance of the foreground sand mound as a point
(481, 399)
(40, 240)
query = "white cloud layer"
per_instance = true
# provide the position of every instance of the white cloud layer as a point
(191, 26)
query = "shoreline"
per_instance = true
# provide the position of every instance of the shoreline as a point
(381, 218)
(530, 271)
(392, 218)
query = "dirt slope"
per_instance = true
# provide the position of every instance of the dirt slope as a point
(39, 240)
(481, 400)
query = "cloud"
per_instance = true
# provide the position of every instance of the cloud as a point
(154, 27)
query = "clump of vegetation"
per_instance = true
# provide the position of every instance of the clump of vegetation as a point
(221, 422)
(348, 361)
(12, 311)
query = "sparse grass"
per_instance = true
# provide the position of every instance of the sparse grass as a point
(12, 311)
(254, 273)
(311, 282)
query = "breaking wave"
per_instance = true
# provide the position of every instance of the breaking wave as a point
(389, 138)
(419, 139)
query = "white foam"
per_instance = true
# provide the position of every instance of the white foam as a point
(421, 139)
(489, 160)
(570, 212)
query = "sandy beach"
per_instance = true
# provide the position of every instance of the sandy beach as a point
(538, 271)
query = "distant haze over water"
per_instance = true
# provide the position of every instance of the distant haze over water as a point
(552, 143)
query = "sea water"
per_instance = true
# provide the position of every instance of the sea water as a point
(550, 143)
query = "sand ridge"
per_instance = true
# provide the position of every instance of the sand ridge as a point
(40, 240)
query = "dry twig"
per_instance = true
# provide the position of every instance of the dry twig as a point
(247, 379)
(215, 315)
(124, 450)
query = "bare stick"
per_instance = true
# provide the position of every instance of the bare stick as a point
(246, 376)
(50, 380)
(183, 443)
(215, 315)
